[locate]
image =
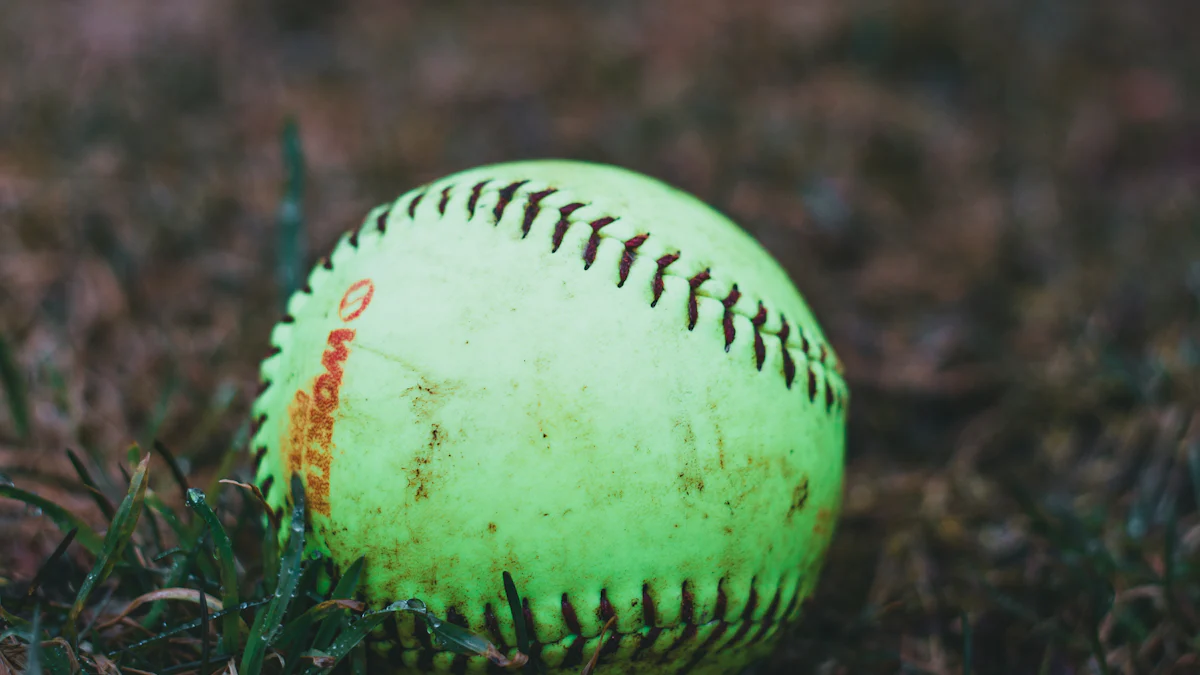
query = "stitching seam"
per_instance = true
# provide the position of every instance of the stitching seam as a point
(647, 641)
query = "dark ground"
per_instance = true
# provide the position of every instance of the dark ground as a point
(992, 206)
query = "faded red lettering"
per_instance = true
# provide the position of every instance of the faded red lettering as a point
(311, 430)
(356, 299)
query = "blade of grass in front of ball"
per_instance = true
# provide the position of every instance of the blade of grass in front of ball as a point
(518, 617)
(14, 389)
(64, 519)
(267, 622)
(290, 641)
(358, 660)
(227, 571)
(344, 589)
(120, 531)
(356, 631)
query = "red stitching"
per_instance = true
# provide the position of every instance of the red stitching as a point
(570, 617)
(505, 198)
(474, 200)
(444, 200)
(727, 320)
(593, 244)
(747, 614)
(789, 366)
(412, 206)
(693, 306)
(760, 348)
(657, 284)
(812, 385)
(768, 619)
(381, 221)
(628, 255)
(533, 206)
(560, 228)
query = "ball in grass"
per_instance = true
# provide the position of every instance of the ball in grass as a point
(581, 376)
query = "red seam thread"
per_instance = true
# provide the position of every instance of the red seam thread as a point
(657, 284)
(533, 206)
(474, 200)
(560, 228)
(505, 198)
(727, 320)
(593, 244)
(693, 305)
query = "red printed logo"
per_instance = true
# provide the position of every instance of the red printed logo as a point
(356, 299)
(312, 414)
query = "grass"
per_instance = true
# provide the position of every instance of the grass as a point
(188, 588)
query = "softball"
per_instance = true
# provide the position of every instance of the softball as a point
(576, 374)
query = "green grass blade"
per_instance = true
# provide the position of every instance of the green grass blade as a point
(227, 569)
(14, 389)
(326, 613)
(183, 628)
(12, 619)
(268, 621)
(355, 633)
(291, 213)
(33, 657)
(64, 519)
(172, 465)
(120, 531)
(41, 573)
(345, 589)
(85, 477)
(58, 659)
(518, 617)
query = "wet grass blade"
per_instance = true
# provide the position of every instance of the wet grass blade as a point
(358, 660)
(354, 633)
(14, 389)
(173, 466)
(120, 531)
(344, 589)
(85, 477)
(204, 646)
(41, 573)
(58, 658)
(227, 568)
(267, 623)
(330, 612)
(64, 519)
(183, 628)
(33, 657)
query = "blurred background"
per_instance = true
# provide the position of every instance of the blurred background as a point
(992, 207)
